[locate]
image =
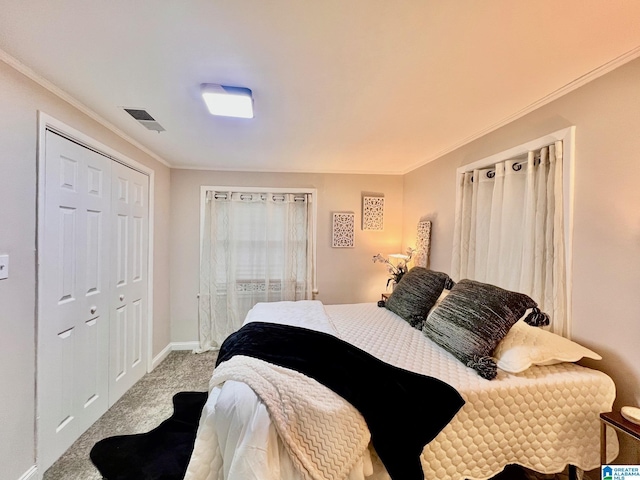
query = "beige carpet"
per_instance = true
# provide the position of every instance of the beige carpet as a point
(139, 410)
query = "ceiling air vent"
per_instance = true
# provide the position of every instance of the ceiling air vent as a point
(143, 117)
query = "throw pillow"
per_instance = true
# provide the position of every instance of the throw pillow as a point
(416, 293)
(471, 321)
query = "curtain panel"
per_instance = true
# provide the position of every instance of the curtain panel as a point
(509, 229)
(256, 247)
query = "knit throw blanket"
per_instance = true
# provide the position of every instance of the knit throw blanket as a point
(324, 434)
(382, 393)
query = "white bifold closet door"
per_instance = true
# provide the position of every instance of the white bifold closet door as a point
(92, 290)
(128, 293)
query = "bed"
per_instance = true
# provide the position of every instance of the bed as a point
(544, 418)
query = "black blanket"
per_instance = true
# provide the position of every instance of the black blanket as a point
(403, 410)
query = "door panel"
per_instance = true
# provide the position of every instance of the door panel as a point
(138, 248)
(89, 351)
(120, 350)
(67, 242)
(92, 288)
(73, 288)
(136, 331)
(129, 286)
(94, 250)
(66, 347)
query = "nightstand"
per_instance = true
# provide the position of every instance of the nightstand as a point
(621, 424)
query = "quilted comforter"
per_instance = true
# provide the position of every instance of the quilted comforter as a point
(543, 418)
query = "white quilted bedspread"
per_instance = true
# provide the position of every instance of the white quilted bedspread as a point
(543, 418)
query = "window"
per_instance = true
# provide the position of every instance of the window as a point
(257, 245)
(513, 223)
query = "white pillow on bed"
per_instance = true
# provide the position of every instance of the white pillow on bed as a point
(525, 345)
(442, 296)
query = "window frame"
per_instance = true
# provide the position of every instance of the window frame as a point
(314, 216)
(567, 136)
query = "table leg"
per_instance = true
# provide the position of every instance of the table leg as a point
(603, 443)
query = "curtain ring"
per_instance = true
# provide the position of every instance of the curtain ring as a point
(517, 167)
(491, 173)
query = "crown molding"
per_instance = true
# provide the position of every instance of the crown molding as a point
(43, 82)
(560, 92)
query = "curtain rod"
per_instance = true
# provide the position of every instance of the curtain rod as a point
(516, 166)
(263, 196)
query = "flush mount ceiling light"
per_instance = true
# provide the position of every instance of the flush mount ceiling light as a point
(228, 101)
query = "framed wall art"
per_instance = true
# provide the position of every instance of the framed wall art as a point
(423, 244)
(343, 231)
(372, 213)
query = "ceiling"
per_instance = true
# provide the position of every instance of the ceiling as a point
(353, 86)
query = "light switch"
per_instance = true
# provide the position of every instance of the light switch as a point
(4, 266)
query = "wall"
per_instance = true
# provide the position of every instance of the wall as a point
(606, 245)
(345, 275)
(20, 99)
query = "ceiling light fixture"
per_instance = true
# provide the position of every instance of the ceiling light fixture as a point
(228, 101)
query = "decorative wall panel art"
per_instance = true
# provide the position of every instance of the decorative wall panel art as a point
(372, 213)
(423, 244)
(343, 229)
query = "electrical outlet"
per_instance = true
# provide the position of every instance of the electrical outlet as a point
(4, 266)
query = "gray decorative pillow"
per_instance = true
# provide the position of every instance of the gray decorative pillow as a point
(473, 319)
(416, 293)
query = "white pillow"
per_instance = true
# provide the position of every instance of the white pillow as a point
(525, 345)
(442, 296)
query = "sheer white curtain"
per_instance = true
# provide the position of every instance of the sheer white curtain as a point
(509, 229)
(256, 247)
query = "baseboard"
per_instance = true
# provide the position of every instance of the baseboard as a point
(184, 345)
(30, 474)
(157, 360)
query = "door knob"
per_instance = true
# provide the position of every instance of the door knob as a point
(93, 309)
(121, 297)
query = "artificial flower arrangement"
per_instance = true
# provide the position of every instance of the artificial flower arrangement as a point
(396, 272)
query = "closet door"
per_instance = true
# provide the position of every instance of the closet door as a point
(128, 297)
(73, 286)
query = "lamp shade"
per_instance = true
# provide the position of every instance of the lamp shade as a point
(228, 101)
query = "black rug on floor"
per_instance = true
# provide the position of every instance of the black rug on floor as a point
(161, 454)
